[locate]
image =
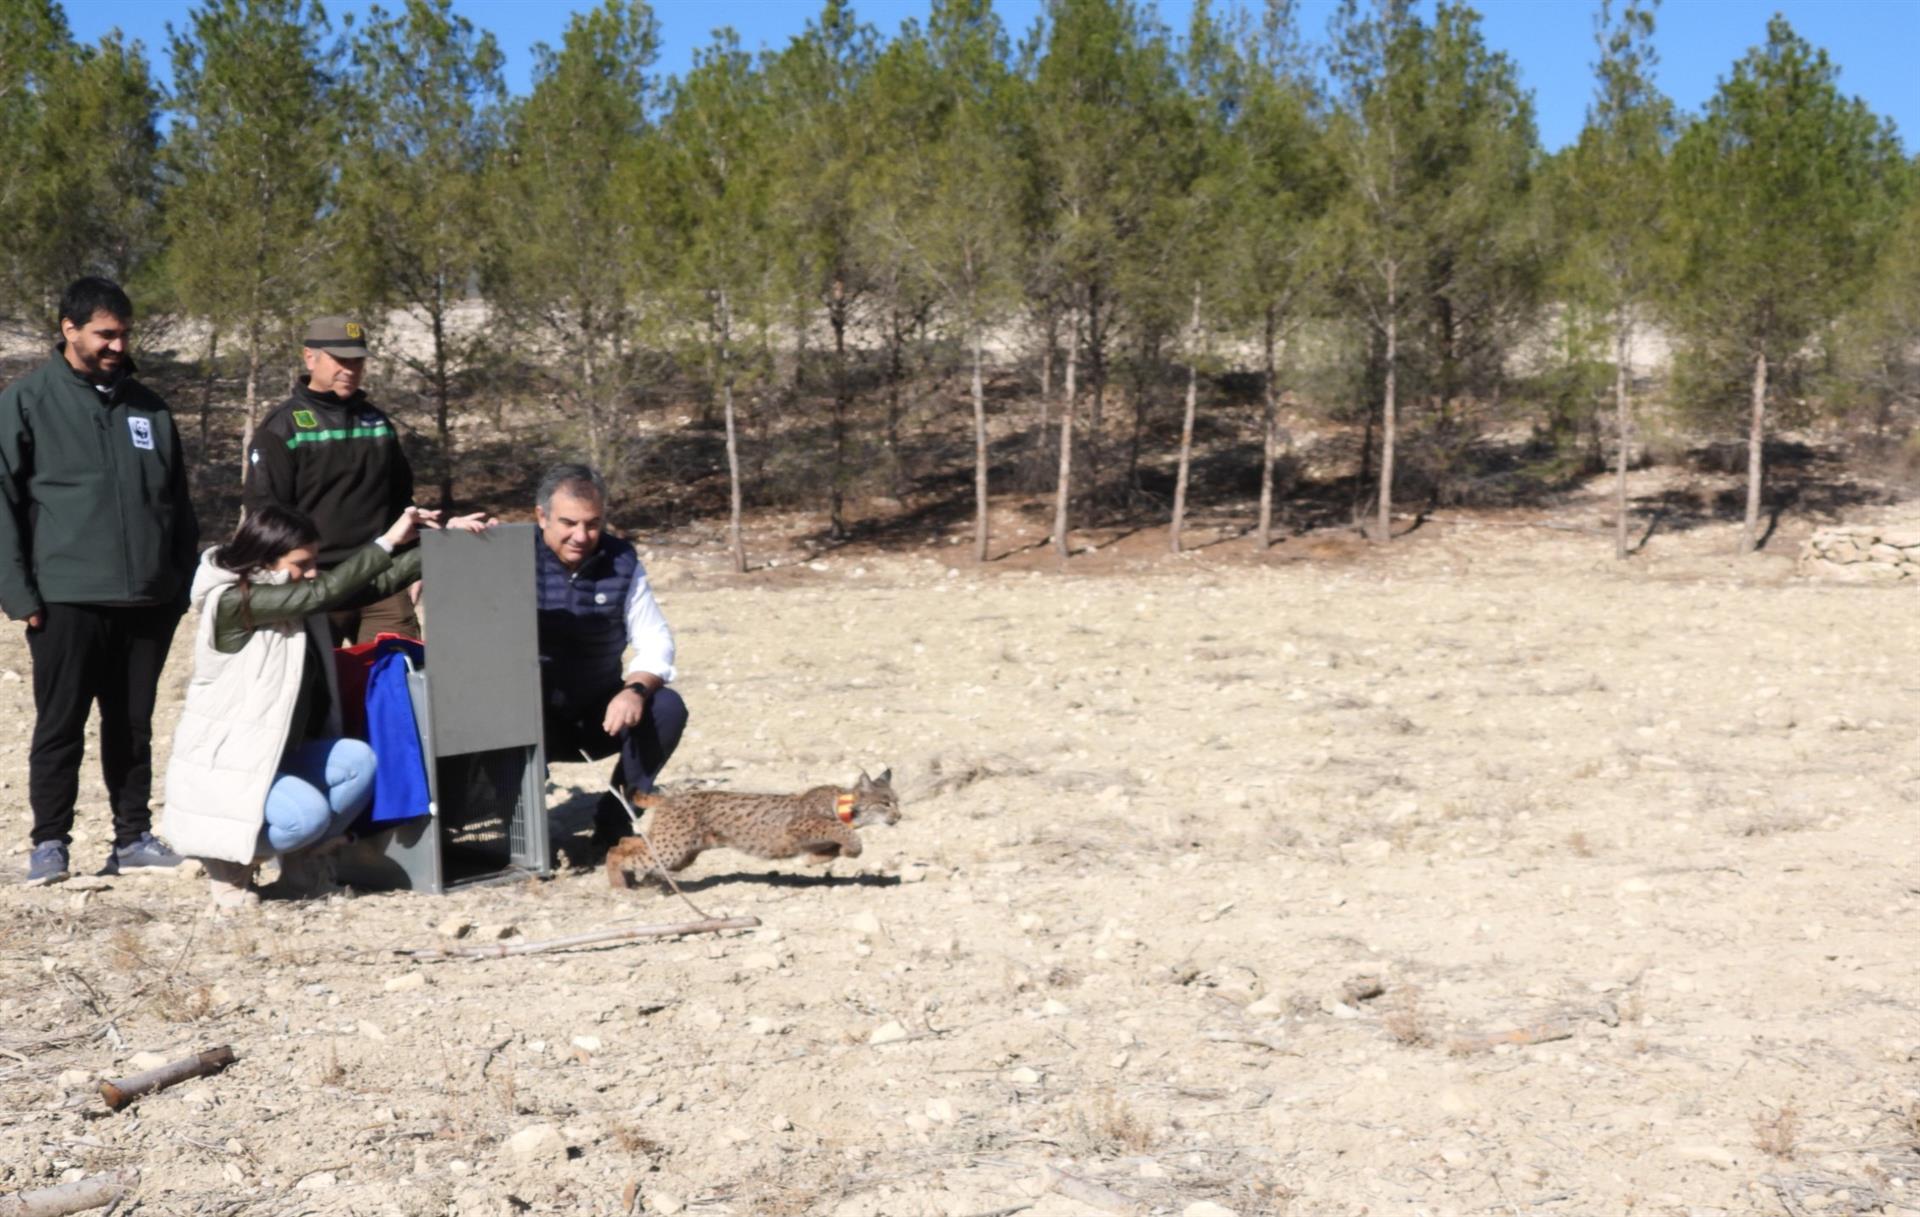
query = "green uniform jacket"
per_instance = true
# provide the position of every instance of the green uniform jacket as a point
(94, 502)
(272, 603)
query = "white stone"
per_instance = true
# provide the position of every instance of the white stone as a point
(760, 961)
(665, 1202)
(494, 933)
(940, 1111)
(1267, 1006)
(865, 923)
(1713, 1155)
(317, 1180)
(587, 1043)
(1206, 1208)
(80, 1079)
(887, 1033)
(1023, 1076)
(140, 1062)
(536, 1143)
(454, 927)
(403, 983)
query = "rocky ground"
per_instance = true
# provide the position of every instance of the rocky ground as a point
(1487, 875)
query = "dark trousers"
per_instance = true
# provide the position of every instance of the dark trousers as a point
(87, 653)
(573, 723)
(391, 615)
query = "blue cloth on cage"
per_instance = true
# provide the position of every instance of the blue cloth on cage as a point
(400, 790)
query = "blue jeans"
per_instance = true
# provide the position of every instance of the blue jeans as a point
(322, 785)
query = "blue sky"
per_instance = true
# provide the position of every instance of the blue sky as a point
(1875, 42)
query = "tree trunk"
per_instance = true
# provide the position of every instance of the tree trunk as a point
(1063, 484)
(1097, 374)
(1383, 527)
(1186, 427)
(1269, 426)
(836, 504)
(896, 372)
(442, 394)
(206, 392)
(1621, 342)
(979, 450)
(1049, 338)
(733, 443)
(1756, 455)
(253, 394)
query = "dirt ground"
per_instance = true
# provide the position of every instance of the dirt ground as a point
(1219, 883)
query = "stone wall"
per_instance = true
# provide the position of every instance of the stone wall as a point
(1865, 553)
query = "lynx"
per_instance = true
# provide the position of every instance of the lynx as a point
(819, 823)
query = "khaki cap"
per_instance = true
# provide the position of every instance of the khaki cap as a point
(338, 337)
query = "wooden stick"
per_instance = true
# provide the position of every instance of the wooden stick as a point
(75, 1197)
(1087, 1192)
(629, 934)
(121, 1091)
(1486, 1041)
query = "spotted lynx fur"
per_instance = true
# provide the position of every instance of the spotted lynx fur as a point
(819, 823)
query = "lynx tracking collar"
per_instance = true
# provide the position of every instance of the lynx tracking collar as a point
(843, 806)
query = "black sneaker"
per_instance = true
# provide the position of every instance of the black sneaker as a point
(144, 852)
(610, 824)
(48, 864)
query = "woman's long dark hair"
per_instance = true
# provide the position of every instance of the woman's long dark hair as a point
(267, 535)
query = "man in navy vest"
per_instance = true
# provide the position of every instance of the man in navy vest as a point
(595, 605)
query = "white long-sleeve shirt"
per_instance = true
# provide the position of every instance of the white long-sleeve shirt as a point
(649, 636)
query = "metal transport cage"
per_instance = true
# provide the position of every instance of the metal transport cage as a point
(478, 708)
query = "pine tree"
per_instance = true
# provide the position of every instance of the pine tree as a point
(1281, 185)
(1436, 142)
(419, 142)
(822, 147)
(1615, 205)
(1099, 106)
(78, 136)
(251, 163)
(572, 212)
(944, 206)
(1783, 190)
(718, 137)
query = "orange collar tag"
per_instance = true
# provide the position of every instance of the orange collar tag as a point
(843, 807)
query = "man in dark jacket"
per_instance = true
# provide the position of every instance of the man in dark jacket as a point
(329, 454)
(97, 538)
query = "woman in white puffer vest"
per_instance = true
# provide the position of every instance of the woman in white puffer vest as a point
(259, 766)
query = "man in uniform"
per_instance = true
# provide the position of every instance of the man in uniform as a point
(595, 605)
(328, 453)
(97, 538)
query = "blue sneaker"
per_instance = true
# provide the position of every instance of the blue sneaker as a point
(143, 853)
(48, 864)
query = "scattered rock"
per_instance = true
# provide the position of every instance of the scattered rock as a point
(865, 923)
(405, 983)
(587, 1043)
(494, 933)
(454, 927)
(1206, 1208)
(940, 1111)
(664, 1202)
(140, 1062)
(536, 1143)
(887, 1033)
(1023, 1076)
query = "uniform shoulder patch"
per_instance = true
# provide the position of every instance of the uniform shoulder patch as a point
(305, 419)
